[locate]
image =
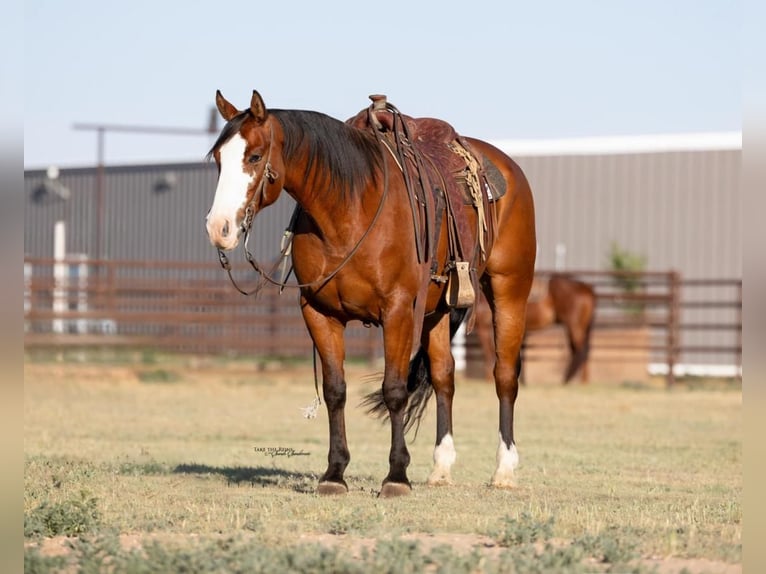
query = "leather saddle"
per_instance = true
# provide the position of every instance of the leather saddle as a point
(443, 174)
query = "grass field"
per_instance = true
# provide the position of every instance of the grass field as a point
(180, 464)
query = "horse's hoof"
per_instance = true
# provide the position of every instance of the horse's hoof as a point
(439, 480)
(505, 483)
(328, 488)
(391, 489)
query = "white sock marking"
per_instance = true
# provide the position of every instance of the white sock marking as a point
(444, 458)
(444, 453)
(507, 458)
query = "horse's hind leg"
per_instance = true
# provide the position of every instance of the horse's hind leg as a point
(578, 330)
(443, 380)
(507, 296)
(576, 350)
(327, 334)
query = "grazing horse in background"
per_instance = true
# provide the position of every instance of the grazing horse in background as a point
(563, 301)
(366, 248)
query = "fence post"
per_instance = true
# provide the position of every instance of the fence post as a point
(28, 294)
(111, 296)
(673, 326)
(60, 278)
(739, 332)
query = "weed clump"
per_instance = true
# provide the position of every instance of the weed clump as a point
(67, 518)
(523, 530)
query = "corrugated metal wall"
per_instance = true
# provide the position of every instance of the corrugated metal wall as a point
(142, 219)
(681, 210)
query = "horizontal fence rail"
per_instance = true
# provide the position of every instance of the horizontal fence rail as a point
(191, 306)
(167, 305)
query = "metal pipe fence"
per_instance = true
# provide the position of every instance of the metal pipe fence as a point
(192, 307)
(675, 326)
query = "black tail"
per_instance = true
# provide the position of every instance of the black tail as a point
(419, 386)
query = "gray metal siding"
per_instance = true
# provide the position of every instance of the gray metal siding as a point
(682, 210)
(139, 222)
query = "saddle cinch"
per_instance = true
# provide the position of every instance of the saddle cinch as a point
(442, 174)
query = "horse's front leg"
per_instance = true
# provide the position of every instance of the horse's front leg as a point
(397, 341)
(327, 334)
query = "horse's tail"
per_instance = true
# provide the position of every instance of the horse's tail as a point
(419, 388)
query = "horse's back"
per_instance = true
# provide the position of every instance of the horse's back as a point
(563, 286)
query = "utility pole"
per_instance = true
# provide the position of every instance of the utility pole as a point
(101, 130)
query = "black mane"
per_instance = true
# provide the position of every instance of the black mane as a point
(348, 156)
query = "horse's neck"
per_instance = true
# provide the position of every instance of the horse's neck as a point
(334, 218)
(340, 211)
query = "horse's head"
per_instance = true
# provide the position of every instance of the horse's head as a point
(250, 169)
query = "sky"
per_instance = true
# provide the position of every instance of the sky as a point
(496, 70)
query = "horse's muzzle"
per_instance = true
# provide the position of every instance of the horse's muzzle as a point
(222, 232)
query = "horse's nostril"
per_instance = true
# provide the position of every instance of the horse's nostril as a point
(225, 229)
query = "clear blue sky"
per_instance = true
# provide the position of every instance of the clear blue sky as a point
(495, 70)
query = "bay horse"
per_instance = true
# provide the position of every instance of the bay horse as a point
(355, 255)
(564, 301)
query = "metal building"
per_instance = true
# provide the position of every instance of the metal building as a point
(675, 200)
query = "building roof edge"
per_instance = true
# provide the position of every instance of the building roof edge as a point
(649, 143)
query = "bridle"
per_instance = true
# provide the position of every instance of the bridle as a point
(270, 175)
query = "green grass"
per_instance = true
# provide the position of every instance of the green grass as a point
(608, 475)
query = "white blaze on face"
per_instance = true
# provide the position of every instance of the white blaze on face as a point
(230, 193)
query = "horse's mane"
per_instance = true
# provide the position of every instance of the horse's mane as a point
(346, 155)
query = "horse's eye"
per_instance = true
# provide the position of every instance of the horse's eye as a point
(255, 158)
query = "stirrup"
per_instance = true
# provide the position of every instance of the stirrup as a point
(460, 293)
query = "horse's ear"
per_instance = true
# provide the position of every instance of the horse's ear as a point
(257, 107)
(227, 110)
